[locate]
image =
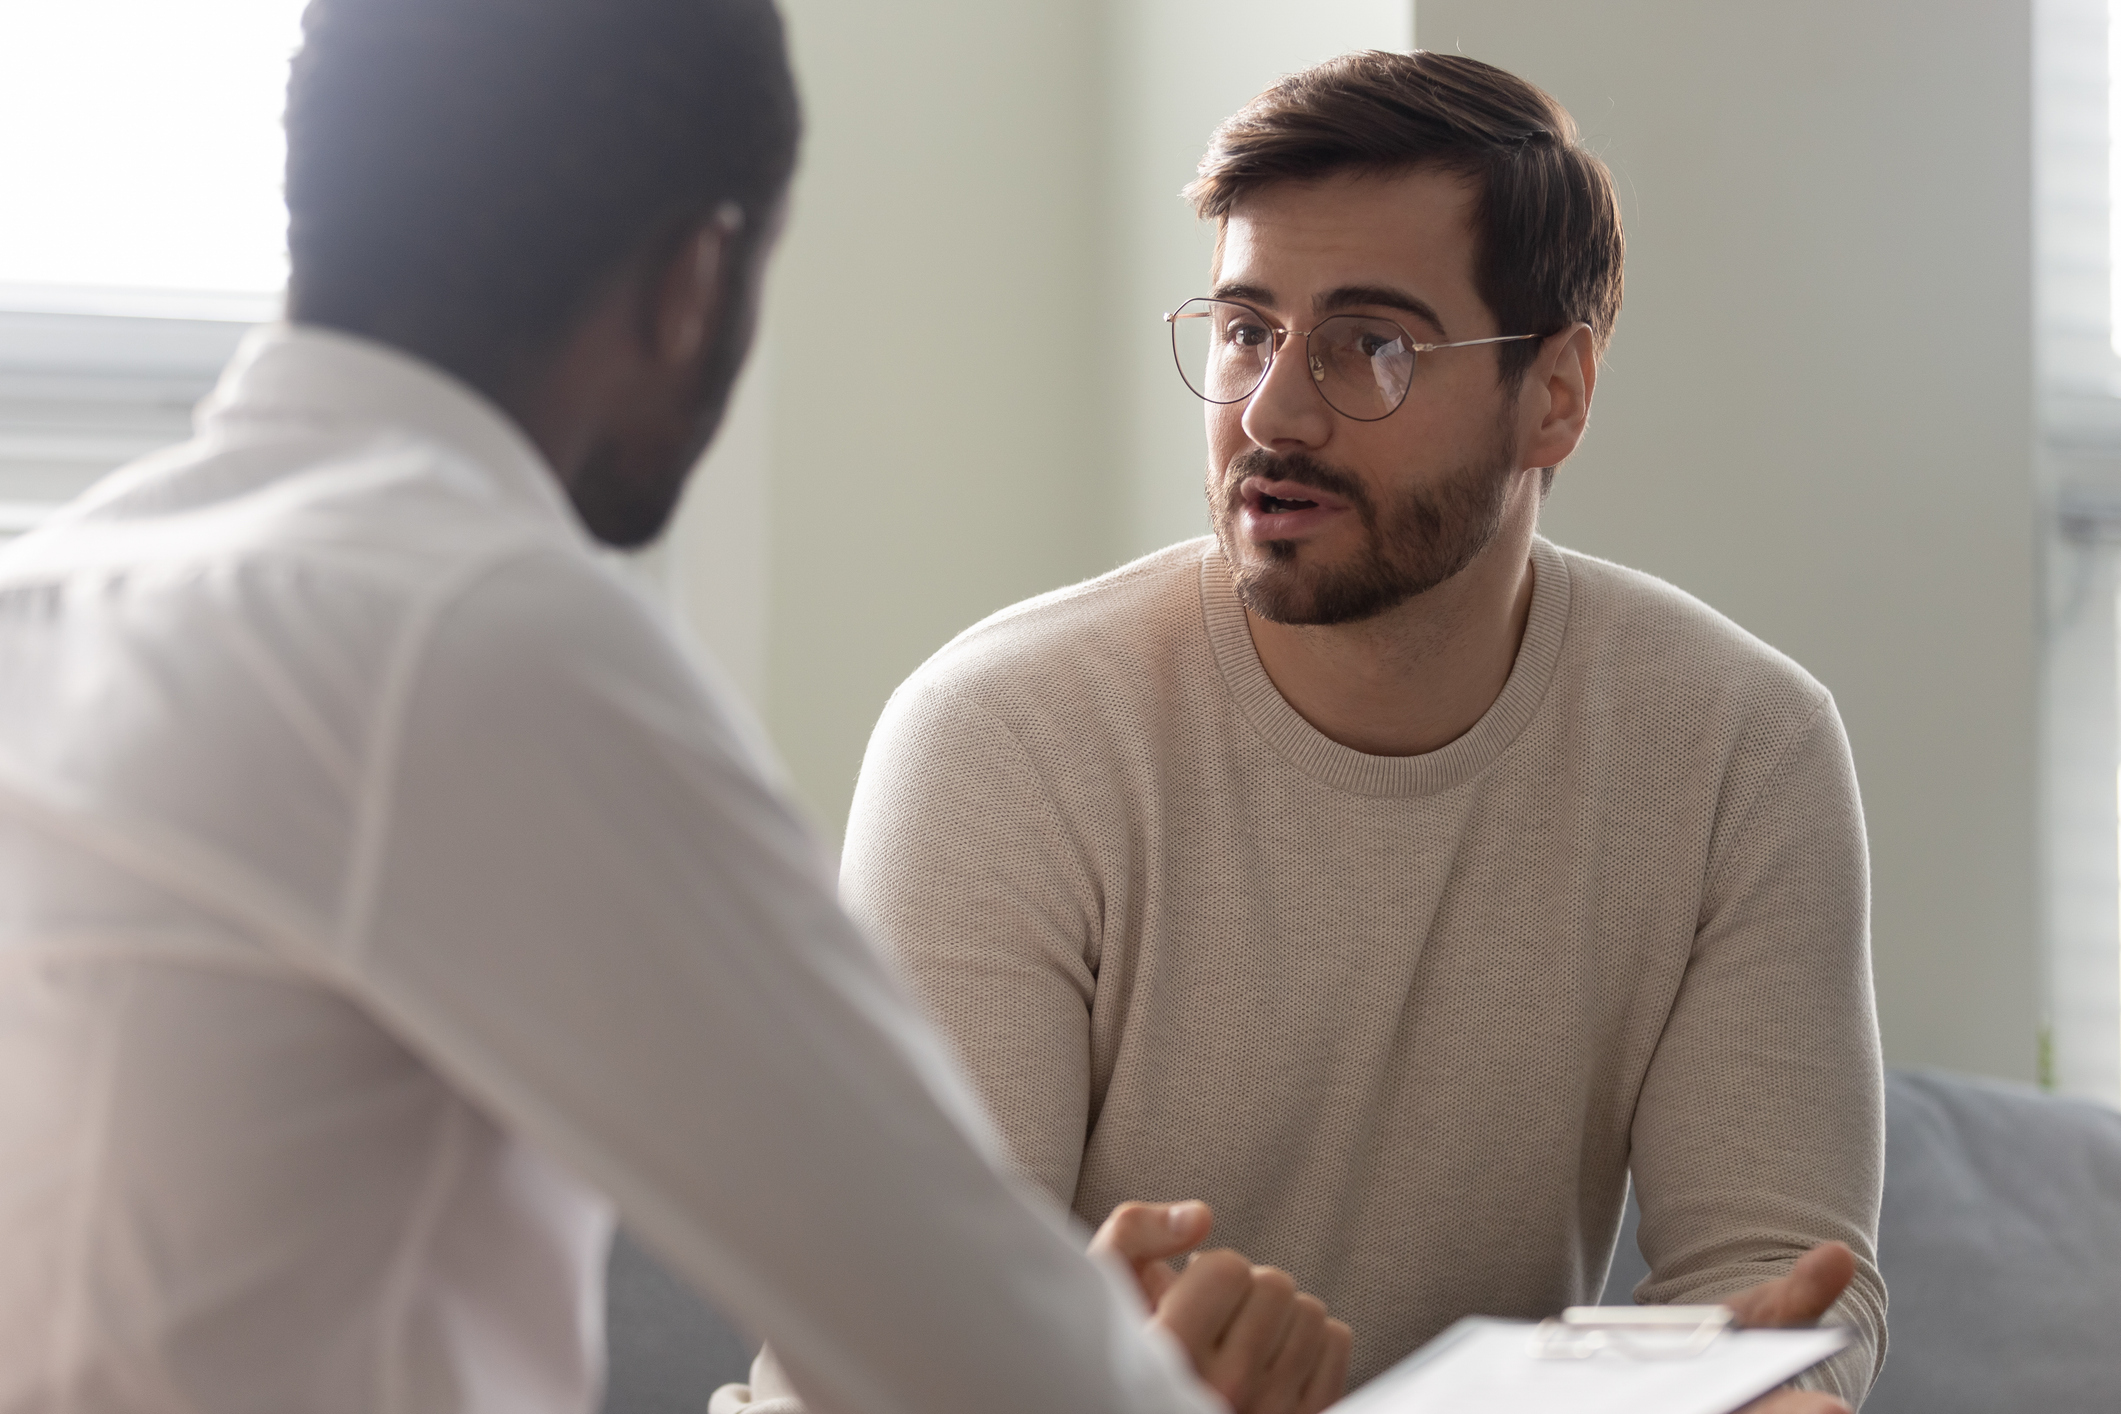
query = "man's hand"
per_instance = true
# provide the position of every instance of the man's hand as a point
(1252, 1336)
(1799, 1299)
(1145, 1236)
(1802, 1297)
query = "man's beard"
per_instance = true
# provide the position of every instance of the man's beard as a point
(628, 488)
(1412, 543)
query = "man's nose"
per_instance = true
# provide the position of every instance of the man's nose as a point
(1285, 411)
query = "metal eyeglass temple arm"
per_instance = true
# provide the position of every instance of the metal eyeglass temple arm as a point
(1468, 343)
(1281, 336)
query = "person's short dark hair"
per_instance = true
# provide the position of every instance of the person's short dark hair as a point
(1546, 223)
(463, 175)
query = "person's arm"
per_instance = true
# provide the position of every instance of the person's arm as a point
(1006, 923)
(979, 888)
(584, 903)
(1759, 1131)
(1248, 1333)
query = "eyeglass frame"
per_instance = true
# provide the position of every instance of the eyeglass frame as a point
(1280, 335)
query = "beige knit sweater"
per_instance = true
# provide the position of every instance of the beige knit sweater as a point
(1406, 1022)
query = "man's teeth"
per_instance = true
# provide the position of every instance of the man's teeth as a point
(1273, 505)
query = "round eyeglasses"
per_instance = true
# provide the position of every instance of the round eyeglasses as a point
(1361, 365)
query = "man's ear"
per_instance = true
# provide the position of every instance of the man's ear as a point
(1555, 404)
(688, 291)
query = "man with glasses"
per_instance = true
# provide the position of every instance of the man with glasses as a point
(1375, 870)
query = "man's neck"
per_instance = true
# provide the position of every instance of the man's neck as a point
(1417, 678)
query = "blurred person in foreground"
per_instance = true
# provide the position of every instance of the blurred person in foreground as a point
(385, 897)
(1374, 869)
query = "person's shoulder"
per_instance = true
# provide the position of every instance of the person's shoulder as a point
(1644, 638)
(372, 511)
(1117, 630)
(347, 550)
(1072, 689)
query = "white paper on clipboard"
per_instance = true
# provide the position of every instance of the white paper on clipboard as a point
(1491, 1367)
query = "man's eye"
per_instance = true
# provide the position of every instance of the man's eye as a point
(1247, 335)
(1372, 345)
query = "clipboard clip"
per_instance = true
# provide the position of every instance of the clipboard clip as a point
(1634, 1332)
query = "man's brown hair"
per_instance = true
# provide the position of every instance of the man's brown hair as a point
(1546, 224)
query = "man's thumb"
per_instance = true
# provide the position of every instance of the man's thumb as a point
(1814, 1284)
(1822, 1274)
(1139, 1233)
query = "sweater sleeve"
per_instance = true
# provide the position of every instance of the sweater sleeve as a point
(964, 871)
(1759, 1131)
(955, 860)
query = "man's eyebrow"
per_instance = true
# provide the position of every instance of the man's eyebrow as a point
(1243, 293)
(1345, 297)
(1349, 296)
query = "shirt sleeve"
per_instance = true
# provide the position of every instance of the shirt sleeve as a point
(1759, 1131)
(584, 901)
(969, 879)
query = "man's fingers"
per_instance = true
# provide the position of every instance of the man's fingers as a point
(1802, 1297)
(1282, 1387)
(1203, 1301)
(1155, 1280)
(1265, 1347)
(1329, 1373)
(1238, 1370)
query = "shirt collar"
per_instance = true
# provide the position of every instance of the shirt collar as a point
(309, 374)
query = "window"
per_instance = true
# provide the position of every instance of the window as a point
(141, 225)
(2078, 356)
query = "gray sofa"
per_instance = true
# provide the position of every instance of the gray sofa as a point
(2000, 1240)
(669, 1350)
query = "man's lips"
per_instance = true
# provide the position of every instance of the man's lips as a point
(1285, 510)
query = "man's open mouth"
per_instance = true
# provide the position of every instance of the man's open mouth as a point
(1288, 506)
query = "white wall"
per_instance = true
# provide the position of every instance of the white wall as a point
(939, 448)
(966, 397)
(714, 561)
(1179, 68)
(1818, 416)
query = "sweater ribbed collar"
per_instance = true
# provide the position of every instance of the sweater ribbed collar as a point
(1343, 768)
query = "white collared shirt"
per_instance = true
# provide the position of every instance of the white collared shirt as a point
(380, 887)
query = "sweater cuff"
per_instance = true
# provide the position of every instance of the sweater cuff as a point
(1847, 1374)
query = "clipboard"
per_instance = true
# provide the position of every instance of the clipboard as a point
(1596, 1360)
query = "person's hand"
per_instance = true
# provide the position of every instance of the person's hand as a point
(1254, 1339)
(1799, 1299)
(1802, 1297)
(1146, 1236)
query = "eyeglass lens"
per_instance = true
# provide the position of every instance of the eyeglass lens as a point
(1361, 365)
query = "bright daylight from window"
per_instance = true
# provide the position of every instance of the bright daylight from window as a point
(152, 185)
(2113, 169)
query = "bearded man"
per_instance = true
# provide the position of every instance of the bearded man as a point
(1377, 871)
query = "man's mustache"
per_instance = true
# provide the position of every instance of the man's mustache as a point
(1299, 467)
